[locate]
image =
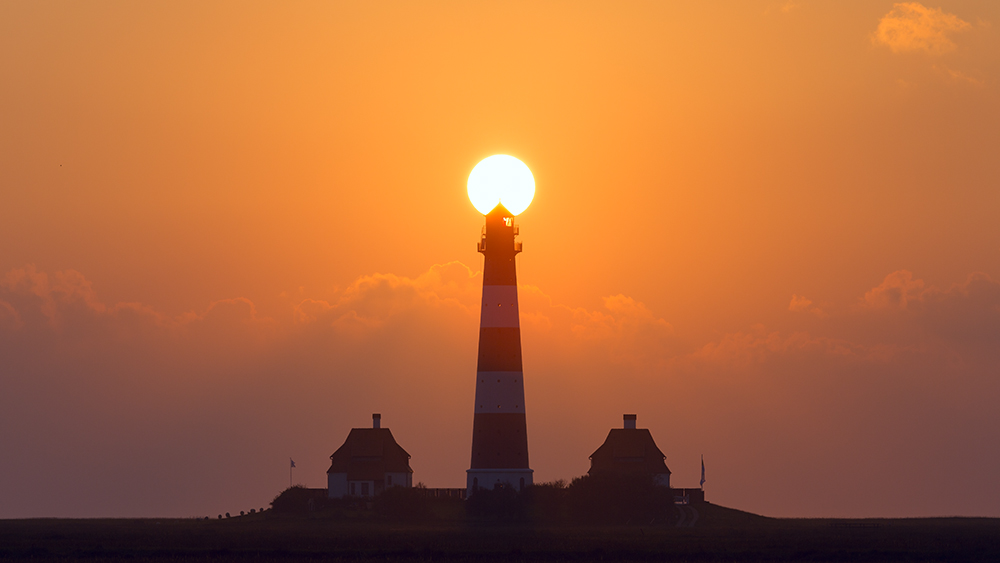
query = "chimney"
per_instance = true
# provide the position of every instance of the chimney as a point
(629, 421)
(377, 421)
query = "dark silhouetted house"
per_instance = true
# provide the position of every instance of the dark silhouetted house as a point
(630, 451)
(369, 462)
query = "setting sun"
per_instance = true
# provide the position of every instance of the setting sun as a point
(501, 179)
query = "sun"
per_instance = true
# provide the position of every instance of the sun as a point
(501, 179)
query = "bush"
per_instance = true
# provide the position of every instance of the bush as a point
(618, 499)
(402, 504)
(502, 504)
(547, 501)
(299, 500)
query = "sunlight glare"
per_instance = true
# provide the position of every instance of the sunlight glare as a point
(501, 179)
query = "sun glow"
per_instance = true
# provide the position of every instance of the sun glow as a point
(501, 179)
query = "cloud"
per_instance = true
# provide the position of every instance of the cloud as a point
(62, 311)
(449, 293)
(902, 316)
(959, 76)
(896, 291)
(624, 327)
(623, 317)
(52, 297)
(758, 345)
(789, 6)
(801, 304)
(9, 317)
(624, 331)
(66, 302)
(373, 300)
(966, 313)
(211, 402)
(911, 26)
(446, 297)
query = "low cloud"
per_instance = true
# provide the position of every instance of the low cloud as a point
(373, 300)
(64, 303)
(759, 345)
(10, 319)
(903, 316)
(896, 291)
(52, 297)
(966, 313)
(623, 328)
(959, 76)
(789, 6)
(902, 309)
(800, 304)
(624, 331)
(210, 403)
(913, 27)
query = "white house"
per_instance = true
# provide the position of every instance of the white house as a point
(369, 462)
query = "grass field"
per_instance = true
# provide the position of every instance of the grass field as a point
(720, 535)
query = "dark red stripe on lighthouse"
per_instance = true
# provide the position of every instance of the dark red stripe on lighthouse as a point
(499, 349)
(499, 441)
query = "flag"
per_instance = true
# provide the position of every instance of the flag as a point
(703, 471)
(293, 465)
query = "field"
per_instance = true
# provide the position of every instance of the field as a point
(720, 535)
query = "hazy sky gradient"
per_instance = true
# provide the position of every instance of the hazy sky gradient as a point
(232, 231)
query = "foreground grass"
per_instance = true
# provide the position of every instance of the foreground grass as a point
(722, 535)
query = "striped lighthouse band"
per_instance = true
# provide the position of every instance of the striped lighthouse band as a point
(499, 392)
(500, 307)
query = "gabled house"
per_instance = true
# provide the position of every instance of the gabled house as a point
(369, 462)
(630, 451)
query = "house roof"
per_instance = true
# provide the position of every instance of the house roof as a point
(628, 450)
(368, 454)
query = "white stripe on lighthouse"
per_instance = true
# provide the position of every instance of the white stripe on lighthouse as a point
(499, 306)
(499, 392)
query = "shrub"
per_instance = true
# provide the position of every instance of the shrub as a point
(502, 504)
(403, 504)
(547, 501)
(618, 499)
(299, 500)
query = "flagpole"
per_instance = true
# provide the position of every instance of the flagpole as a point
(702, 484)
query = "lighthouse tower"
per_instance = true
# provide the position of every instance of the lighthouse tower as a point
(499, 431)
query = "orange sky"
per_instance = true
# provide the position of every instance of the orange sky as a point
(232, 231)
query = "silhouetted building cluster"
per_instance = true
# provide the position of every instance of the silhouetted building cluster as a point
(370, 461)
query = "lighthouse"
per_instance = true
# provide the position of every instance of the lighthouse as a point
(499, 428)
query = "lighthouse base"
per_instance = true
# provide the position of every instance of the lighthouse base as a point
(517, 479)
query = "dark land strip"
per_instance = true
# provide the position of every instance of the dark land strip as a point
(720, 535)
